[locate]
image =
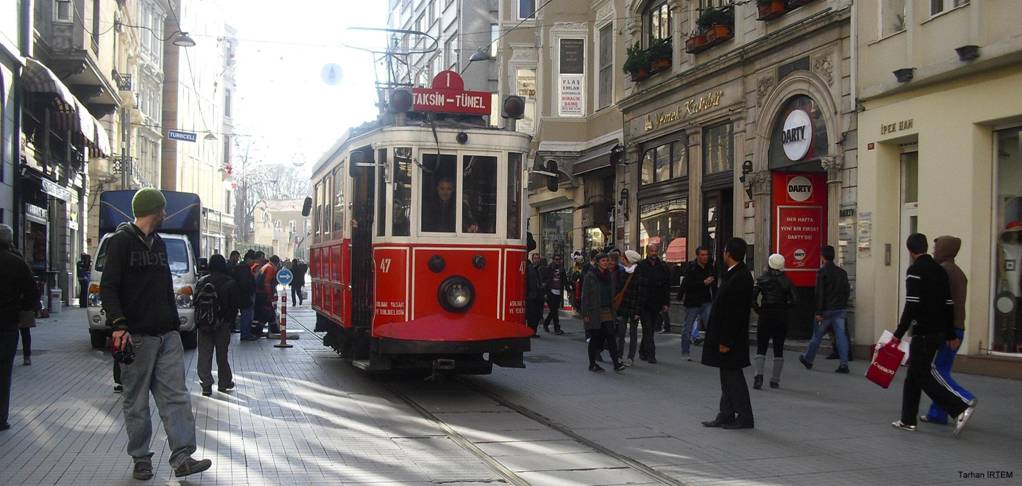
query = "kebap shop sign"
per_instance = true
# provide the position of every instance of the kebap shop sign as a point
(800, 223)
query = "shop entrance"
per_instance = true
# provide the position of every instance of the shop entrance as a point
(718, 220)
(909, 216)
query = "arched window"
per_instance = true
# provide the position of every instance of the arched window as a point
(656, 21)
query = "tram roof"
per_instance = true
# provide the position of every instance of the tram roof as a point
(412, 121)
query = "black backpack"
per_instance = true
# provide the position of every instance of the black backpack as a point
(207, 308)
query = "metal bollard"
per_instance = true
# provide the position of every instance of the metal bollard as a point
(283, 322)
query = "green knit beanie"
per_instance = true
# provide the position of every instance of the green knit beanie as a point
(147, 201)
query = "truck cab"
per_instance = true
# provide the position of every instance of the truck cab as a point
(182, 270)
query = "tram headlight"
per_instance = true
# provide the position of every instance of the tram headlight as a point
(456, 294)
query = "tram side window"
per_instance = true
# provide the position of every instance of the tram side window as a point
(328, 189)
(439, 193)
(514, 196)
(401, 217)
(381, 192)
(338, 203)
(479, 214)
(316, 209)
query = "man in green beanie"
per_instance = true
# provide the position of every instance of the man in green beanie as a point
(138, 297)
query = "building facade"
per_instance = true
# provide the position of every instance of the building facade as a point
(12, 29)
(280, 226)
(562, 58)
(195, 99)
(742, 124)
(940, 154)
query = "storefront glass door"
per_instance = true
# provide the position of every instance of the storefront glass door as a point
(1007, 326)
(909, 216)
(718, 226)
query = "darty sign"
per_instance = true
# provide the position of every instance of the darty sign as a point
(448, 95)
(799, 223)
(797, 135)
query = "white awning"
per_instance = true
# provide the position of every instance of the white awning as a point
(39, 79)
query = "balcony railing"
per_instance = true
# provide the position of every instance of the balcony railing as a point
(123, 81)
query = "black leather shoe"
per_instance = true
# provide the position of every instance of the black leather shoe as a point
(757, 382)
(225, 388)
(5, 426)
(716, 423)
(806, 363)
(143, 471)
(737, 426)
(558, 332)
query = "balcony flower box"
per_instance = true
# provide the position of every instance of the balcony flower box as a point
(771, 9)
(660, 54)
(637, 63)
(695, 43)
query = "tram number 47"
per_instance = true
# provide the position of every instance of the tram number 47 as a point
(385, 265)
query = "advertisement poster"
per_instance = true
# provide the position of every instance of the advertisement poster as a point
(800, 223)
(570, 101)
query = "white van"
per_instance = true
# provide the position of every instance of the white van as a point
(183, 272)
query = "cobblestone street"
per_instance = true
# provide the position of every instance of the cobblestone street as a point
(303, 416)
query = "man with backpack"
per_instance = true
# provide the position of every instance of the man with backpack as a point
(832, 291)
(216, 304)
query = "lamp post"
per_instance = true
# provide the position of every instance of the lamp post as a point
(181, 38)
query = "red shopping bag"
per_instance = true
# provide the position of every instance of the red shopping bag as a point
(885, 364)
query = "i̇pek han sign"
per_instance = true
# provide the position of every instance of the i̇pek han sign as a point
(800, 223)
(447, 95)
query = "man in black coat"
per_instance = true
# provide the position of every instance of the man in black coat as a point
(534, 294)
(242, 275)
(555, 280)
(655, 281)
(727, 340)
(17, 294)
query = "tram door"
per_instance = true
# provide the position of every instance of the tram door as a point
(362, 267)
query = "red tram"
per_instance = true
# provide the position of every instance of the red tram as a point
(419, 240)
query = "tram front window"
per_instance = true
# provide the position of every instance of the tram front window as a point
(439, 209)
(480, 194)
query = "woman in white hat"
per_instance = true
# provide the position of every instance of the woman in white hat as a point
(772, 296)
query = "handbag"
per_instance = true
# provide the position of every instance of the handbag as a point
(885, 365)
(619, 298)
(26, 319)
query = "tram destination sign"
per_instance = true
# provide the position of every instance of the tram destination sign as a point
(447, 95)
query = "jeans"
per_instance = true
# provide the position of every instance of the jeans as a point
(8, 348)
(689, 329)
(158, 368)
(621, 328)
(650, 320)
(835, 318)
(246, 318)
(209, 341)
(922, 376)
(942, 363)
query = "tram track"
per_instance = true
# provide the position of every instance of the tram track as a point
(506, 473)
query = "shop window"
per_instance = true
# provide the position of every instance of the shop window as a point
(439, 193)
(479, 201)
(1007, 328)
(665, 223)
(555, 233)
(647, 167)
(657, 21)
(401, 216)
(664, 162)
(718, 149)
(679, 159)
(799, 134)
(892, 17)
(938, 6)
(514, 195)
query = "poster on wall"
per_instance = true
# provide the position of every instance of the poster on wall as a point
(570, 95)
(800, 223)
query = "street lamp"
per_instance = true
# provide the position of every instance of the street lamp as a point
(181, 38)
(209, 137)
(479, 55)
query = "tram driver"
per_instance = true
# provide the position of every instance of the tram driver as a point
(440, 213)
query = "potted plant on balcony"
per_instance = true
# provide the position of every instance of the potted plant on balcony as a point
(770, 9)
(637, 63)
(660, 54)
(721, 23)
(797, 3)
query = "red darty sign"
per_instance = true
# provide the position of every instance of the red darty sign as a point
(447, 95)
(800, 223)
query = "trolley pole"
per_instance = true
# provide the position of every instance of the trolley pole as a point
(283, 322)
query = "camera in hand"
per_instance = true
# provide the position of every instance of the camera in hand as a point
(125, 355)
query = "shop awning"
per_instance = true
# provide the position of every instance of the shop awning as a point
(39, 79)
(593, 159)
(85, 124)
(102, 141)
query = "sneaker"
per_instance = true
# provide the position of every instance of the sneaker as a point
(843, 369)
(629, 362)
(757, 382)
(143, 471)
(898, 424)
(191, 466)
(962, 419)
(207, 391)
(807, 364)
(664, 331)
(226, 388)
(595, 368)
(619, 367)
(118, 388)
(775, 384)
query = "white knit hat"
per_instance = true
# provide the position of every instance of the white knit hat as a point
(776, 261)
(633, 256)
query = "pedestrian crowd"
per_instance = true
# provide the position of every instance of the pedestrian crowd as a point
(618, 295)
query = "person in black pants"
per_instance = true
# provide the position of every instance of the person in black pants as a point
(778, 295)
(727, 340)
(929, 312)
(299, 269)
(555, 279)
(18, 293)
(655, 279)
(84, 269)
(534, 294)
(598, 289)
